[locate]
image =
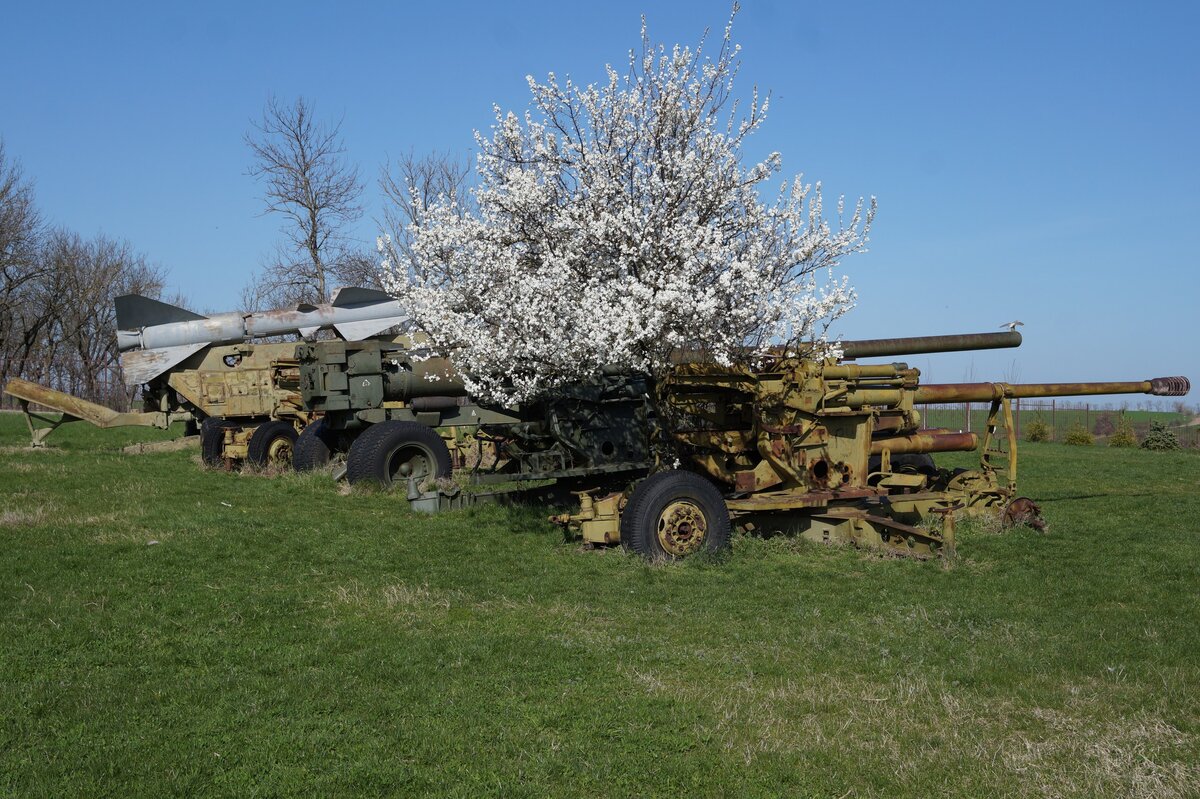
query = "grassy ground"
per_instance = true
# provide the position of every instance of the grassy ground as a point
(281, 638)
(1066, 417)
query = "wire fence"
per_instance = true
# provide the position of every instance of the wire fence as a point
(1062, 417)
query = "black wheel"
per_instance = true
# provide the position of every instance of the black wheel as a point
(921, 463)
(212, 440)
(671, 515)
(911, 463)
(314, 447)
(394, 451)
(271, 444)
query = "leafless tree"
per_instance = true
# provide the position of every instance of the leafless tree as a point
(21, 232)
(57, 319)
(410, 185)
(92, 272)
(299, 162)
(65, 327)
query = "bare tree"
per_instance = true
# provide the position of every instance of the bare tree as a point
(411, 186)
(92, 272)
(64, 329)
(57, 319)
(21, 232)
(305, 178)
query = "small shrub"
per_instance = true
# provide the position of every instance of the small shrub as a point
(1122, 434)
(1160, 438)
(1037, 430)
(1104, 425)
(1079, 436)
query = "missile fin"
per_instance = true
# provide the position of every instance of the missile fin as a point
(142, 366)
(135, 311)
(354, 295)
(308, 332)
(356, 331)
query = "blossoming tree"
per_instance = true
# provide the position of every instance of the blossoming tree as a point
(616, 223)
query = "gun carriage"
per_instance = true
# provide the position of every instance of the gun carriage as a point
(833, 449)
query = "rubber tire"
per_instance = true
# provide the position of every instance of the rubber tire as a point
(915, 462)
(314, 447)
(650, 497)
(921, 462)
(212, 440)
(258, 448)
(371, 453)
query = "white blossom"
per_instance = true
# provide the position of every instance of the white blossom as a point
(616, 224)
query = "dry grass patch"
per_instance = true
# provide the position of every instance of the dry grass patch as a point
(916, 724)
(400, 598)
(22, 517)
(28, 450)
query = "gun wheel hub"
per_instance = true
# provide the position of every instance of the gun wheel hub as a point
(280, 451)
(681, 528)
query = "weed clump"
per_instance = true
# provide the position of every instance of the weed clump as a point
(1078, 436)
(1038, 430)
(1160, 439)
(1122, 434)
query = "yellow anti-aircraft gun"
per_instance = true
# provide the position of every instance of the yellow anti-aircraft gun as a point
(830, 450)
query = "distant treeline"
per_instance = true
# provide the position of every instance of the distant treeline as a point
(57, 321)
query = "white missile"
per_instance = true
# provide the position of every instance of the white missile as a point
(153, 336)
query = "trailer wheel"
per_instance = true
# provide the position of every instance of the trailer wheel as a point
(314, 447)
(920, 462)
(671, 515)
(212, 440)
(910, 463)
(394, 451)
(271, 443)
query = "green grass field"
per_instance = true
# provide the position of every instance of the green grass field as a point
(282, 638)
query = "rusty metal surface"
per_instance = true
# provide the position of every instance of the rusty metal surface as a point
(984, 392)
(926, 441)
(142, 366)
(1177, 386)
(880, 347)
(1023, 511)
(80, 408)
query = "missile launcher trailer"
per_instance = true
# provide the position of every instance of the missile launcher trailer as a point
(247, 395)
(243, 396)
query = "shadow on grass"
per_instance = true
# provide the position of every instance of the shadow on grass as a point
(1048, 499)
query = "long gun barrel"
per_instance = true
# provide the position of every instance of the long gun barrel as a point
(959, 342)
(984, 392)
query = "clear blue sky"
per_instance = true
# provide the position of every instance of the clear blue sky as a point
(1032, 160)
